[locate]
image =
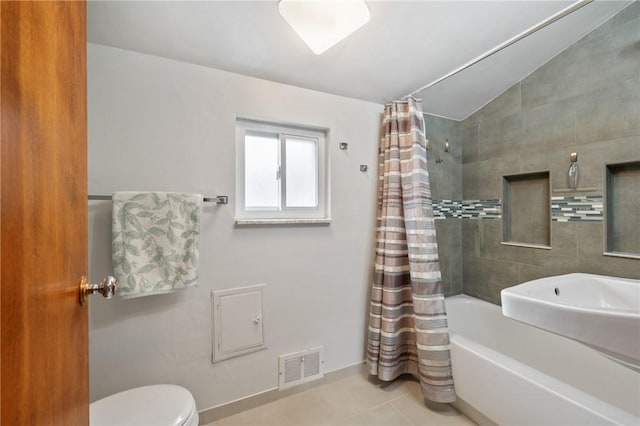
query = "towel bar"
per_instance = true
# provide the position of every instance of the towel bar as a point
(218, 199)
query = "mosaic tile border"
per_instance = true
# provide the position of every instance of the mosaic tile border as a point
(577, 208)
(467, 209)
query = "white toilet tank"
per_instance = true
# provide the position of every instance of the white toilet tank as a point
(157, 405)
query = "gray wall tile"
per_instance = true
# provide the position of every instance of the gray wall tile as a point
(470, 237)
(449, 237)
(490, 244)
(496, 137)
(630, 13)
(608, 54)
(507, 103)
(585, 100)
(592, 260)
(593, 157)
(564, 248)
(550, 125)
(482, 180)
(470, 142)
(489, 277)
(446, 177)
(609, 113)
(446, 183)
(534, 272)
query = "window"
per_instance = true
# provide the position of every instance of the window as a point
(281, 173)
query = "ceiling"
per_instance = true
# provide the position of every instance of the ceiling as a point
(406, 44)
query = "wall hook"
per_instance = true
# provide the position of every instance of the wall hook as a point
(364, 167)
(344, 146)
(446, 145)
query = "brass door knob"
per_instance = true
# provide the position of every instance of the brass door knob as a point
(107, 288)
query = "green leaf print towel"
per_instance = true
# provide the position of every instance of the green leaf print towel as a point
(155, 242)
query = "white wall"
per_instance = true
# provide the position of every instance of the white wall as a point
(159, 124)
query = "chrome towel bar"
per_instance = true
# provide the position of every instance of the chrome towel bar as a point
(218, 199)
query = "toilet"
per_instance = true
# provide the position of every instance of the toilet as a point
(155, 405)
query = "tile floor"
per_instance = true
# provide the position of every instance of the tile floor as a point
(353, 400)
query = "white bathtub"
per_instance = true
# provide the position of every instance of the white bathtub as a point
(514, 374)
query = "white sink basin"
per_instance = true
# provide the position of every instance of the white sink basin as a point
(601, 312)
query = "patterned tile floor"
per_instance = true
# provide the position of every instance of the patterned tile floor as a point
(351, 401)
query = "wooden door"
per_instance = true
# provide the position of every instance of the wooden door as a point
(43, 213)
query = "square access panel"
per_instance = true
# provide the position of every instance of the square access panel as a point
(238, 322)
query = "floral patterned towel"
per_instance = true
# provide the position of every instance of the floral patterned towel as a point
(155, 242)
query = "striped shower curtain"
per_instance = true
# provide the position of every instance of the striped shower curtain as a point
(408, 323)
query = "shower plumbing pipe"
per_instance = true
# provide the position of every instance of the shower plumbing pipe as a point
(550, 20)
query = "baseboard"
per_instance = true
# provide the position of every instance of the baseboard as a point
(218, 412)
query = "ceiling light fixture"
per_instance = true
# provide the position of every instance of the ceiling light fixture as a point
(323, 23)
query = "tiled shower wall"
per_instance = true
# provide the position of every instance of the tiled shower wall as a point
(585, 100)
(446, 184)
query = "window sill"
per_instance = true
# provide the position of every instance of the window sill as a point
(301, 221)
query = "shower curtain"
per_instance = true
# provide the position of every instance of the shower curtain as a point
(408, 323)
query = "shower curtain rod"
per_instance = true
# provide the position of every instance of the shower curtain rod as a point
(550, 20)
(218, 199)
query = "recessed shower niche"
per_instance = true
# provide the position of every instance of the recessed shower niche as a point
(622, 209)
(526, 216)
